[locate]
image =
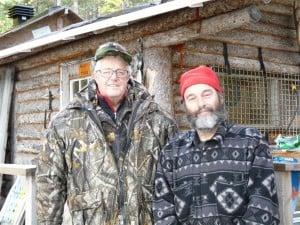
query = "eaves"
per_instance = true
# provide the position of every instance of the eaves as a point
(83, 29)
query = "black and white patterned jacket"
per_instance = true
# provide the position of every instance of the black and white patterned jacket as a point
(228, 180)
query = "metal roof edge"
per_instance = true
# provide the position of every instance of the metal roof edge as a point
(121, 20)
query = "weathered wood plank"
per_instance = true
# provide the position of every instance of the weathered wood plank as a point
(36, 106)
(250, 38)
(243, 51)
(284, 189)
(192, 59)
(263, 28)
(30, 213)
(37, 71)
(31, 118)
(38, 83)
(277, 19)
(284, 2)
(218, 7)
(28, 147)
(18, 170)
(25, 157)
(30, 131)
(251, 34)
(37, 94)
(6, 90)
(276, 8)
(208, 26)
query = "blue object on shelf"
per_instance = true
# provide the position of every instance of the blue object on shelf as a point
(281, 159)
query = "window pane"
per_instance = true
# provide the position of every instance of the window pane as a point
(83, 82)
(75, 87)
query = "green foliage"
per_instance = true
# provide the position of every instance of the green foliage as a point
(5, 22)
(110, 5)
(86, 9)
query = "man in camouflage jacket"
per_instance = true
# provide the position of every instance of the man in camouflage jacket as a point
(100, 152)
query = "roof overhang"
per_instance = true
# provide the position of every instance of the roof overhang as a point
(50, 12)
(96, 27)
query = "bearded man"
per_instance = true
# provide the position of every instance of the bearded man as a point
(217, 173)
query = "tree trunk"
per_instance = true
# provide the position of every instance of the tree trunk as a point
(75, 6)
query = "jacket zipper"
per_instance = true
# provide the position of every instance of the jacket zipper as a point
(93, 116)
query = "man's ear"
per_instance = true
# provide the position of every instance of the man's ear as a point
(93, 76)
(222, 98)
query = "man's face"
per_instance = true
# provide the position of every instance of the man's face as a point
(111, 84)
(205, 108)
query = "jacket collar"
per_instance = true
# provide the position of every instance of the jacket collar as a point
(218, 137)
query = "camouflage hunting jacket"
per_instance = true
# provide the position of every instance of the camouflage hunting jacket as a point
(103, 167)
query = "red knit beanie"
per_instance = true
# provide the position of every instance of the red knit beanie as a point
(199, 75)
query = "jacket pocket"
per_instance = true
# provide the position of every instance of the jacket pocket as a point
(231, 197)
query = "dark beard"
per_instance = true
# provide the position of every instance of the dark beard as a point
(208, 123)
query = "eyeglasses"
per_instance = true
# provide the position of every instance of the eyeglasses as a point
(109, 72)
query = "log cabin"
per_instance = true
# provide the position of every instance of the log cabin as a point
(252, 45)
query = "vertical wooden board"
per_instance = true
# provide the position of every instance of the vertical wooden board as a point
(6, 89)
(284, 190)
(64, 86)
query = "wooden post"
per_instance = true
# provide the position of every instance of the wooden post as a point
(30, 210)
(28, 171)
(158, 76)
(284, 188)
(6, 89)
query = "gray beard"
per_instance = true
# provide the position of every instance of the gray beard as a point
(208, 123)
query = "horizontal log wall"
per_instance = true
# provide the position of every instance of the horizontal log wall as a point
(275, 33)
(31, 102)
(40, 73)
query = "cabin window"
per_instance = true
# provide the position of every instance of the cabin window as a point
(77, 85)
(74, 76)
(269, 102)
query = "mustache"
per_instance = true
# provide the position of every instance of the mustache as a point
(203, 109)
(217, 115)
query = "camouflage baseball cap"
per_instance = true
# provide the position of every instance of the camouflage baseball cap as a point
(112, 49)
